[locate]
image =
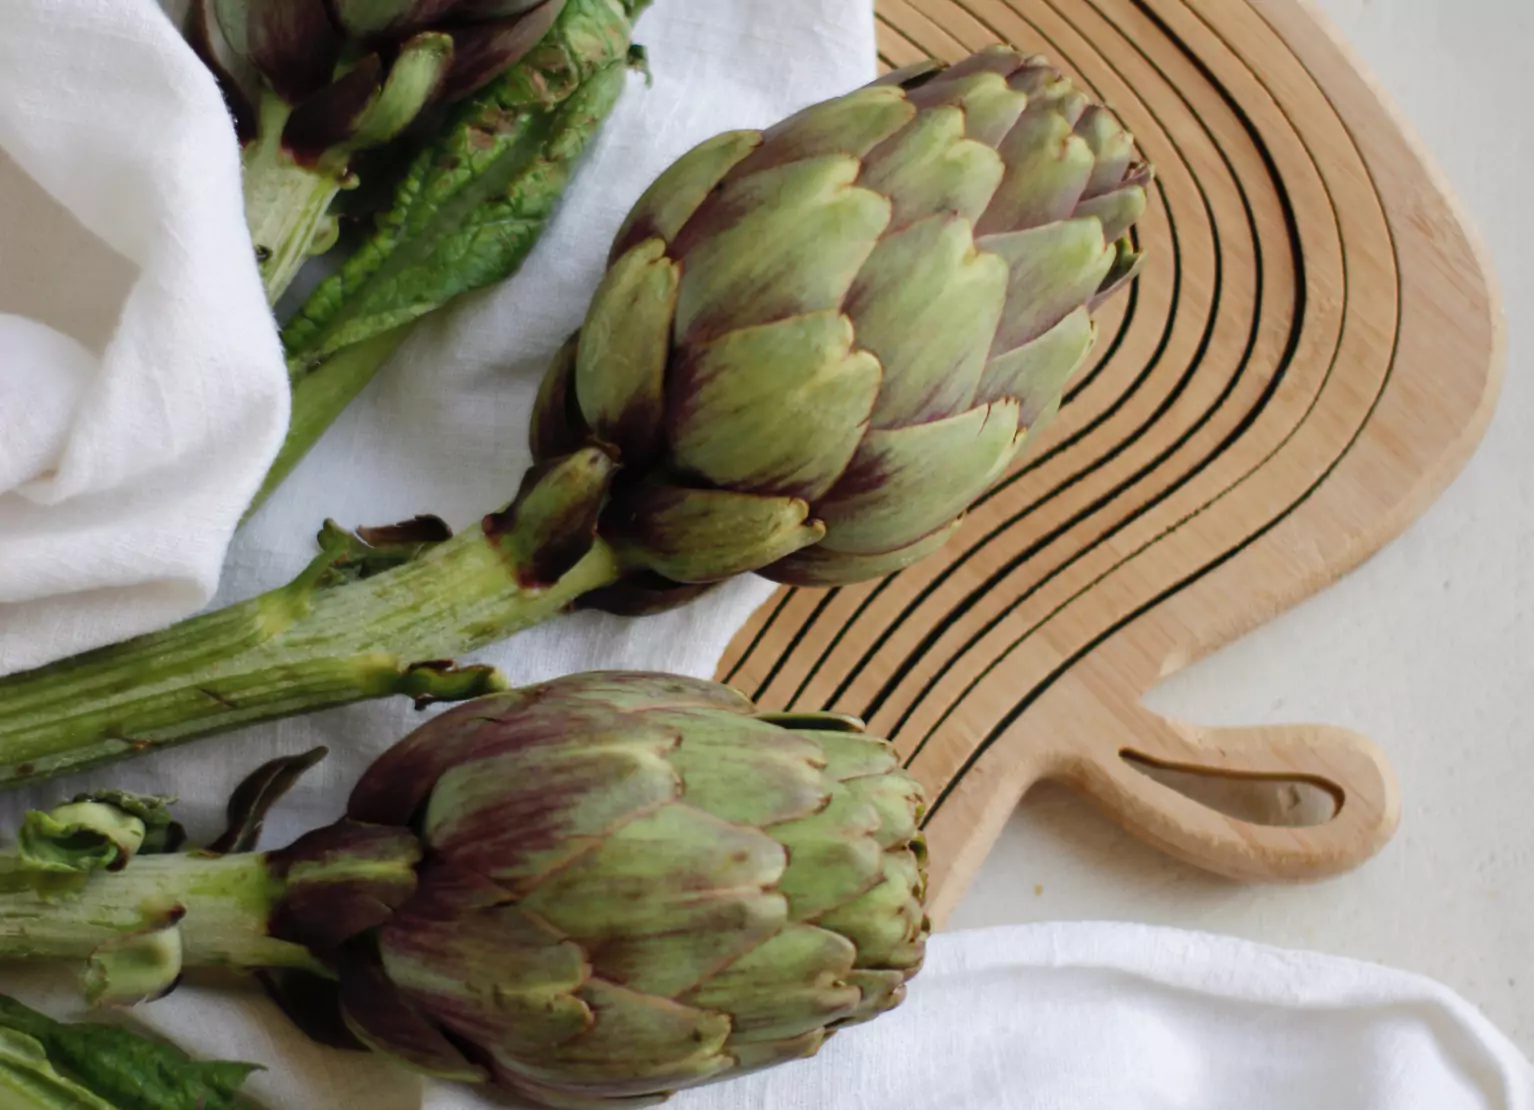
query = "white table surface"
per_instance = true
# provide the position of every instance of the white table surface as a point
(1428, 648)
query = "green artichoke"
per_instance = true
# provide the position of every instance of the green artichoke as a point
(605, 888)
(816, 346)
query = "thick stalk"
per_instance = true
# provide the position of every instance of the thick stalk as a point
(286, 204)
(227, 901)
(306, 646)
(320, 395)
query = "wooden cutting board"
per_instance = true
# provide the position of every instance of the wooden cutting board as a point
(1312, 352)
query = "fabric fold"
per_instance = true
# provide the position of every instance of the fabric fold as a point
(127, 452)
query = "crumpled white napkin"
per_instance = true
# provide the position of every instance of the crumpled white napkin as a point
(142, 389)
(1070, 1016)
(1108, 1016)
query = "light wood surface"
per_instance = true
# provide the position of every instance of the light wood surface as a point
(1310, 355)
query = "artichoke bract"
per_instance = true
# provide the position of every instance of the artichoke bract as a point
(815, 347)
(605, 888)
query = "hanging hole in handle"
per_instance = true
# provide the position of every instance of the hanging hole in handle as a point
(1285, 801)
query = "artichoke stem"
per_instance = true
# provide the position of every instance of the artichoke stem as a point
(319, 641)
(287, 205)
(320, 394)
(226, 900)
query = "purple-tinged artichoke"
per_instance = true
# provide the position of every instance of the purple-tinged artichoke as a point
(310, 83)
(598, 890)
(815, 348)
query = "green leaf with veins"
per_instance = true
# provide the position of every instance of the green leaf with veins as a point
(29, 1082)
(474, 201)
(48, 1065)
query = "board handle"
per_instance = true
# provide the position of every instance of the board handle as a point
(1365, 797)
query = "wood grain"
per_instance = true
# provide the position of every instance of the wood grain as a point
(1311, 353)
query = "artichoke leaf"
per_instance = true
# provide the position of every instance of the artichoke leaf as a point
(620, 366)
(927, 304)
(775, 409)
(551, 525)
(676, 194)
(92, 1066)
(853, 124)
(823, 227)
(1048, 167)
(932, 167)
(794, 983)
(990, 107)
(820, 566)
(1037, 372)
(907, 482)
(1055, 270)
(702, 535)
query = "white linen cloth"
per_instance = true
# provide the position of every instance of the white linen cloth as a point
(1074, 1016)
(141, 399)
(142, 391)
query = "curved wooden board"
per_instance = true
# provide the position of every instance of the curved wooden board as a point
(1310, 355)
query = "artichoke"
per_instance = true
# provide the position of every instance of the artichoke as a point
(814, 349)
(816, 346)
(602, 889)
(310, 83)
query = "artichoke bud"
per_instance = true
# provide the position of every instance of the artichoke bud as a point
(816, 346)
(614, 886)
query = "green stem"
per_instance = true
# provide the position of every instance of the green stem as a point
(287, 205)
(227, 899)
(305, 646)
(319, 396)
